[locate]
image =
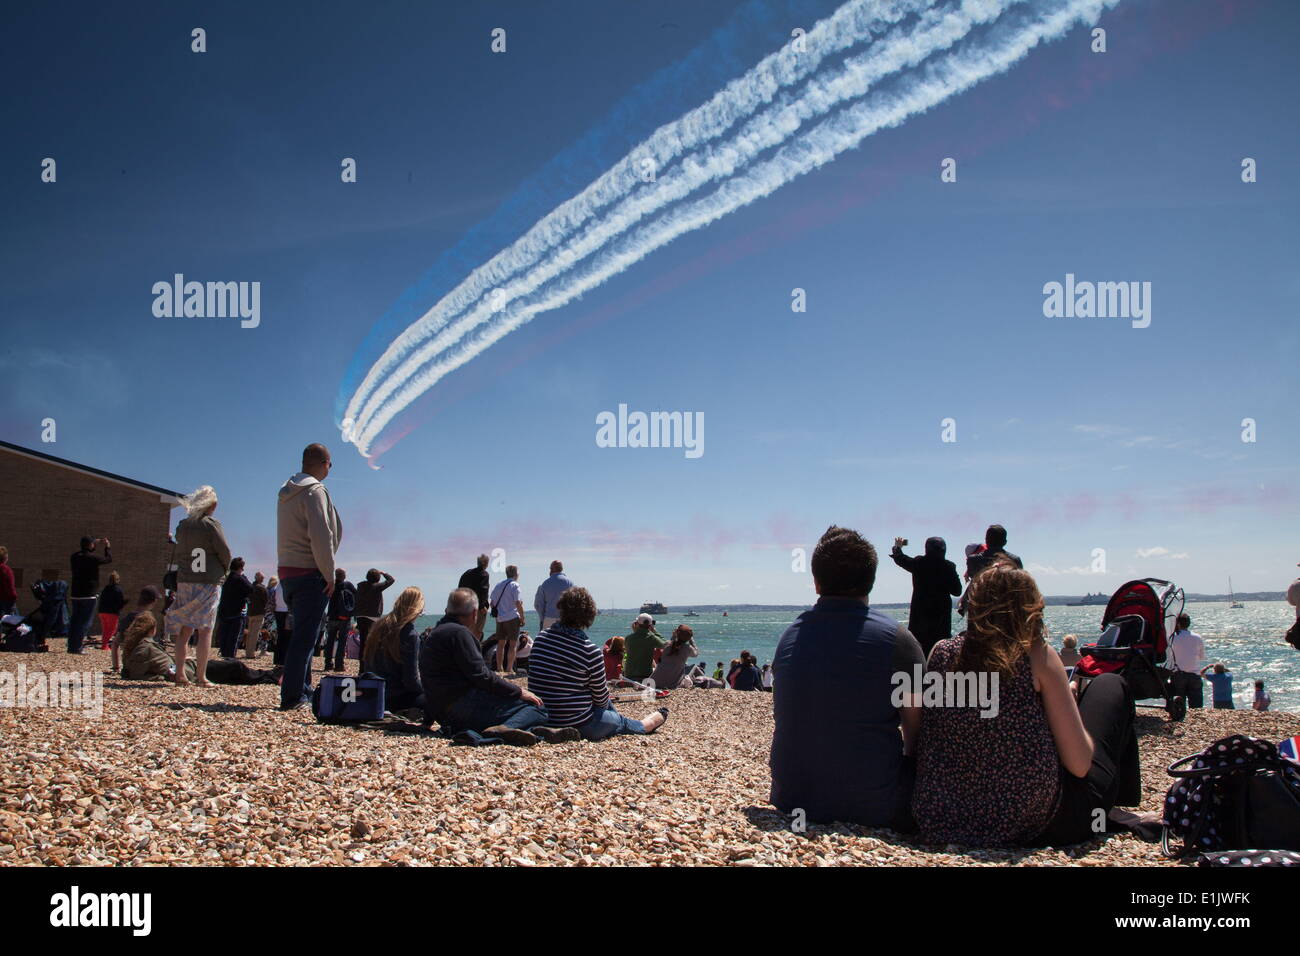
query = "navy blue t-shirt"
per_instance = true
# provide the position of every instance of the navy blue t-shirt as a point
(836, 750)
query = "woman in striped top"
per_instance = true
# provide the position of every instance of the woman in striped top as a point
(567, 672)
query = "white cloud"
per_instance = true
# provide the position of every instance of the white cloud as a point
(1160, 552)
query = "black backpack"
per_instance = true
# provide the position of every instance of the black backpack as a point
(1239, 794)
(347, 602)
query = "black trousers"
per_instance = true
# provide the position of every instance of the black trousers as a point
(1115, 777)
(364, 624)
(281, 638)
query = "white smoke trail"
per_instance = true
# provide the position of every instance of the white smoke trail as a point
(1005, 43)
(934, 30)
(851, 24)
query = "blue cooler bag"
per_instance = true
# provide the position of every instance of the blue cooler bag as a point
(348, 700)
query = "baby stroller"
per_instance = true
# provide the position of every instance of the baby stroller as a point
(1134, 639)
(24, 635)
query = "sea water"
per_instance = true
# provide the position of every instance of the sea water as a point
(1248, 640)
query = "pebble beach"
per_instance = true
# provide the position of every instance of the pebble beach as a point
(187, 776)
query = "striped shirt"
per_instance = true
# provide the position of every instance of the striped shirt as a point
(568, 673)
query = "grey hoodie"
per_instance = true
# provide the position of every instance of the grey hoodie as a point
(308, 529)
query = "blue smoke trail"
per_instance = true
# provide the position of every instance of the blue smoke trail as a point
(726, 54)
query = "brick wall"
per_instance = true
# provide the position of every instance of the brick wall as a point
(46, 508)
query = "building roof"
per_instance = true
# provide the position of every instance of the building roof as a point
(168, 497)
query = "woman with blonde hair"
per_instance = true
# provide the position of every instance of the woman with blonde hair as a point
(1023, 763)
(392, 652)
(202, 557)
(111, 602)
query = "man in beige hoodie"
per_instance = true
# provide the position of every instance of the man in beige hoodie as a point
(308, 531)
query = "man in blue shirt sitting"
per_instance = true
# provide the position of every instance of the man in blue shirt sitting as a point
(837, 753)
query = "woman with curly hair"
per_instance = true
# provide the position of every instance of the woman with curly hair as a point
(1033, 768)
(567, 672)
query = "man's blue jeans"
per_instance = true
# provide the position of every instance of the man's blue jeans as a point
(83, 612)
(307, 601)
(477, 710)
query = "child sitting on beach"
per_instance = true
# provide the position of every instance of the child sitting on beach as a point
(613, 654)
(1262, 699)
(1070, 650)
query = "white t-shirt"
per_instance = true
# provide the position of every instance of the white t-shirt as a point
(1186, 651)
(505, 597)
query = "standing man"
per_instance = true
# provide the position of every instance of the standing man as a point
(476, 579)
(84, 591)
(258, 599)
(308, 532)
(934, 585)
(995, 547)
(343, 603)
(508, 608)
(370, 606)
(545, 602)
(230, 611)
(1186, 659)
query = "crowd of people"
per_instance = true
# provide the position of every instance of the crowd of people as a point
(845, 747)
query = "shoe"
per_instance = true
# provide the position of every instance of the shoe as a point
(557, 735)
(511, 735)
(305, 701)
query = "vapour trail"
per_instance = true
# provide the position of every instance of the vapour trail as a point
(850, 24)
(764, 129)
(603, 249)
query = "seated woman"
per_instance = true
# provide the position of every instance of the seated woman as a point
(613, 655)
(566, 671)
(392, 651)
(144, 659)
(672, 664)
(1033, 769)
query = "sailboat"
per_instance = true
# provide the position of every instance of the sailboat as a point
(1232, 598)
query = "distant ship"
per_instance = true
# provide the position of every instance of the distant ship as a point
(1232, 598)
(1090, 600)
(691, 614)
(653, 607)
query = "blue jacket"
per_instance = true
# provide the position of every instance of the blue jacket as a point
(548, 593)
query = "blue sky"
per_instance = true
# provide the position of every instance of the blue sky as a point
(924, 298)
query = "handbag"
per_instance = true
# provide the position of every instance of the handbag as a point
(504, 584)
(348, 700)
(1240, 794)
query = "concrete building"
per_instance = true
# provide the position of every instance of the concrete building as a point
(48, 503)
